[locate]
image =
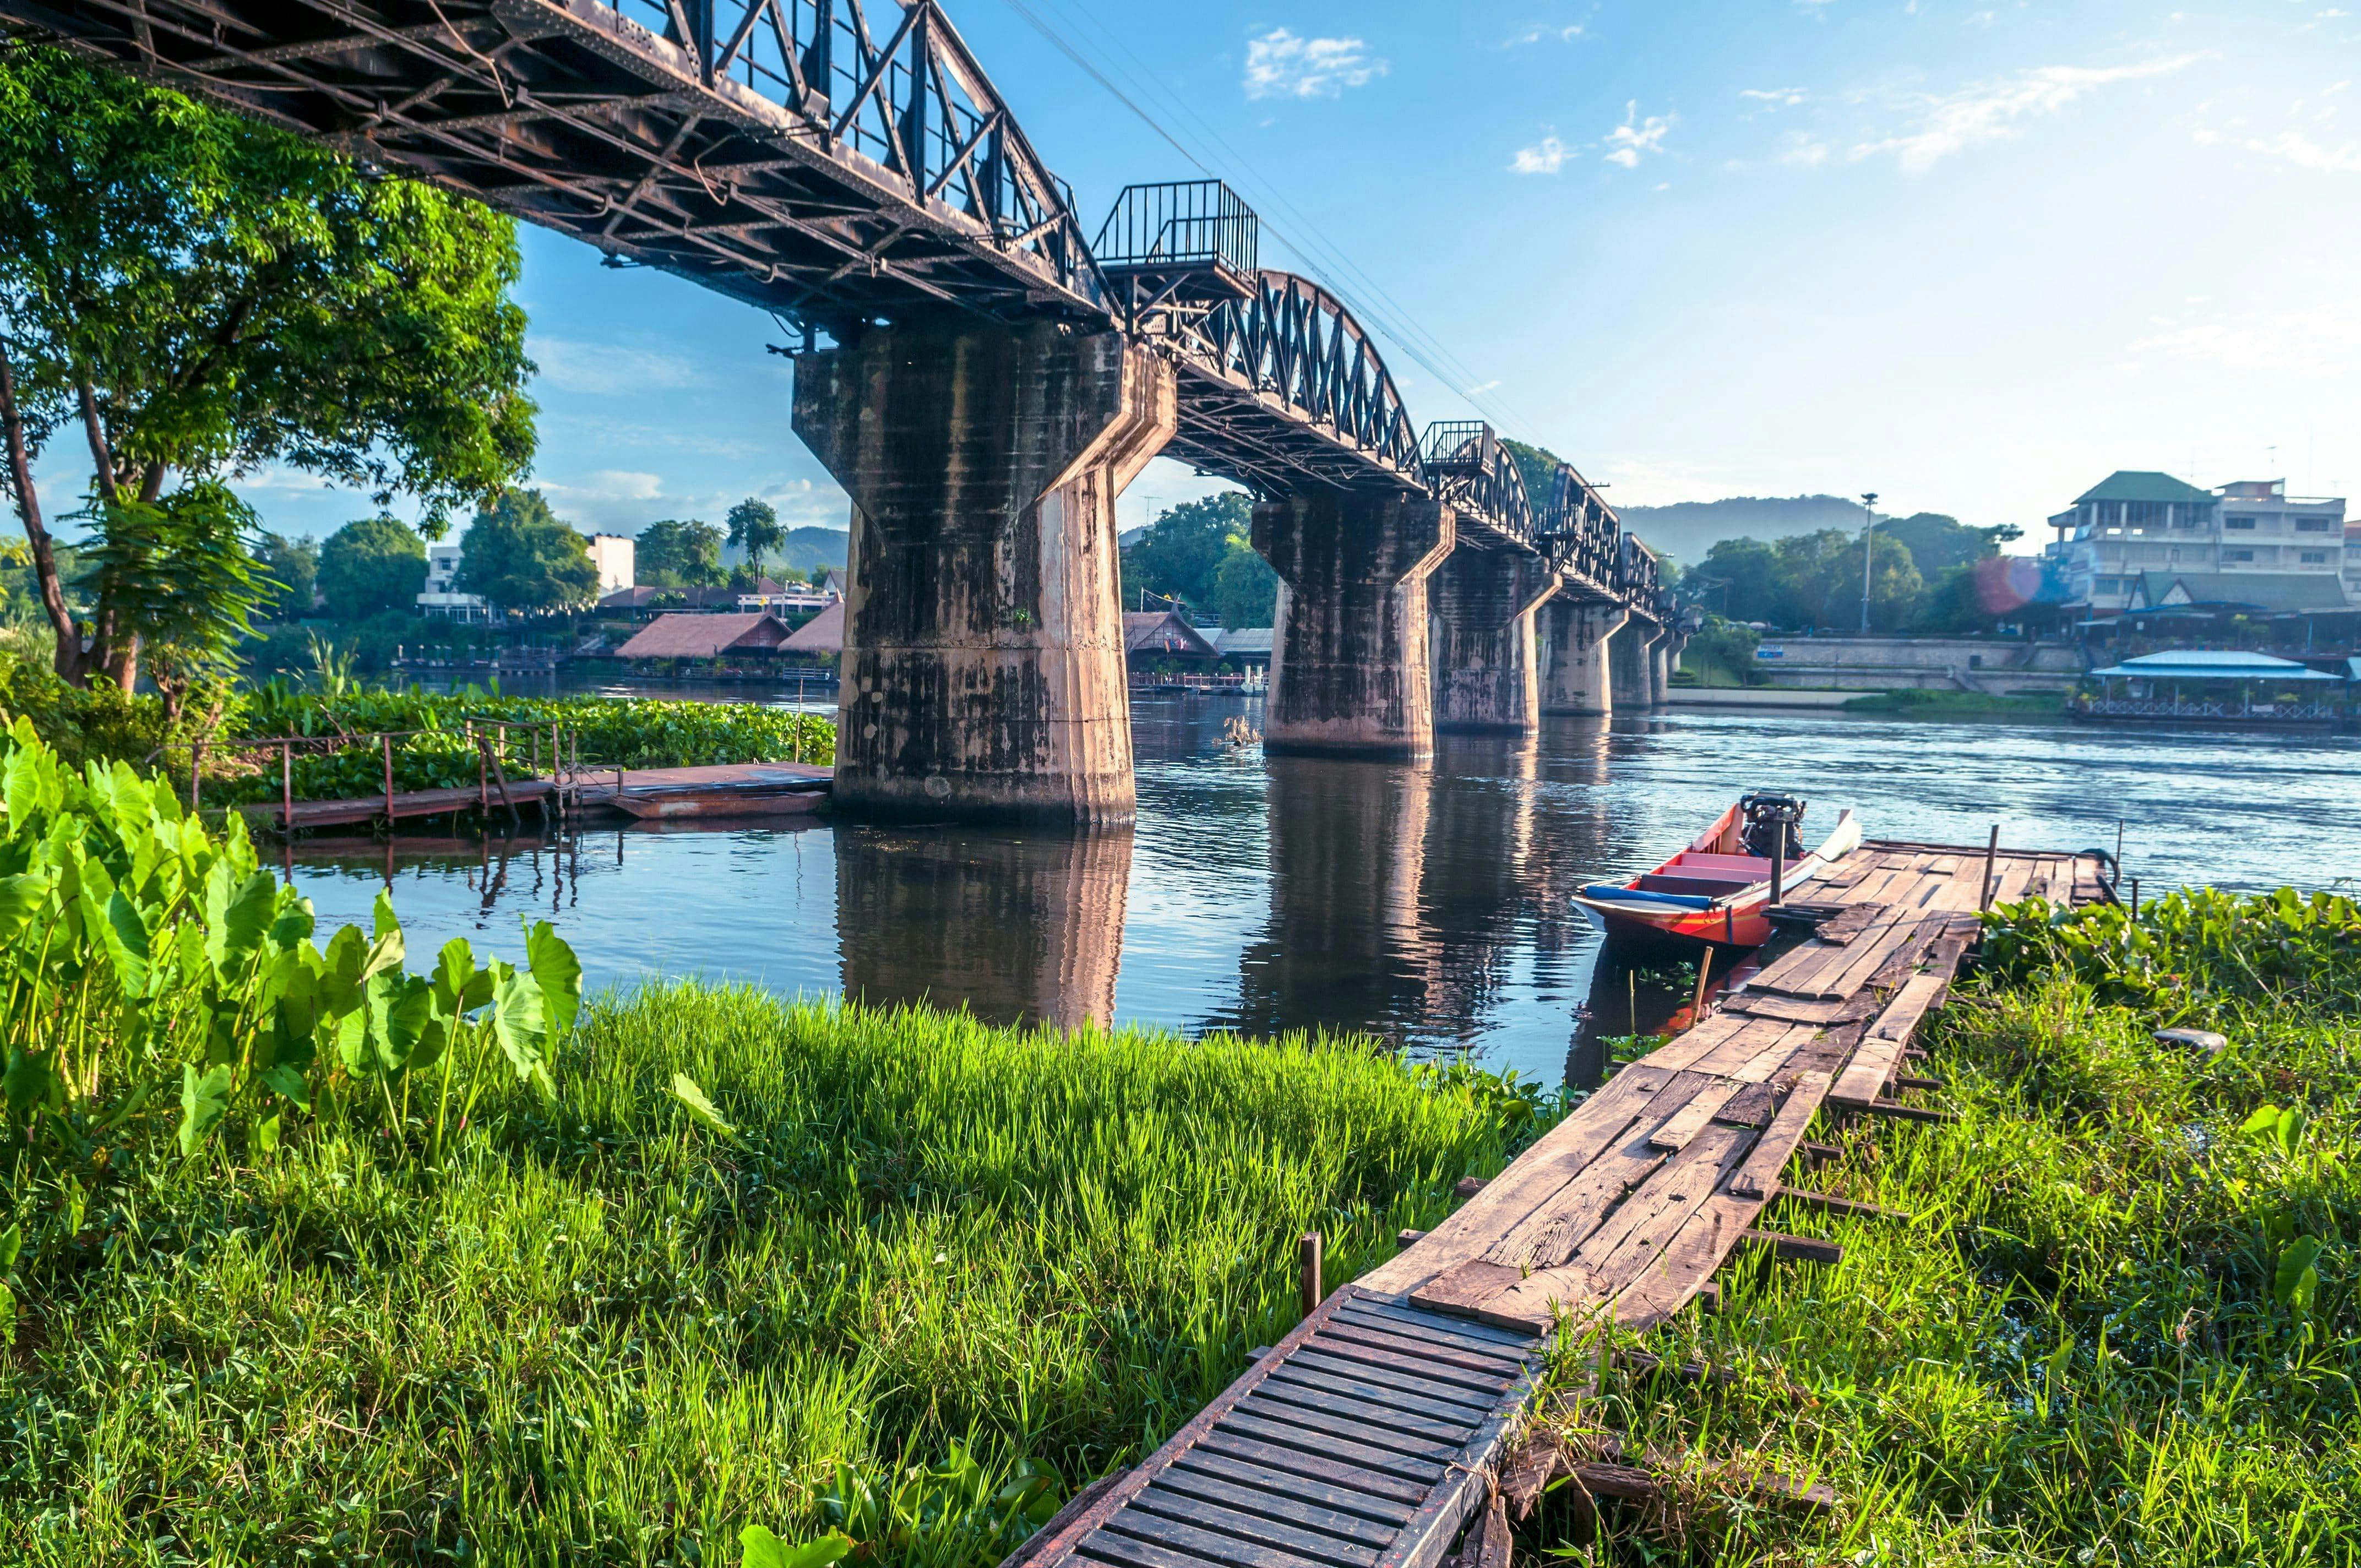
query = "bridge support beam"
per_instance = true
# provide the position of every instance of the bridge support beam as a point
(1349, 668)
(983, 672)
(1487, 675)
(1579, 635)
(1632, 665)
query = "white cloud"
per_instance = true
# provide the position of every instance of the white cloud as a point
(603, 369)
(2305, 153)
(1536, 34)
(1280, 65)
(1777, 97)
(1994, 111)
(1628, 142)
(1477, 391)
(1546, 156)
(2322, 342)
(1802, 152)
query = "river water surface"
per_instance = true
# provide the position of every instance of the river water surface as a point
(1426, 904)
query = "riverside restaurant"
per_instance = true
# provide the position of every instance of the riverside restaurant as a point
(2215, 686)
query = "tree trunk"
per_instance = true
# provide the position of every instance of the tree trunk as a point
(69, 660)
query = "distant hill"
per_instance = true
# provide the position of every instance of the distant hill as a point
(809, 550)
(1687, 530)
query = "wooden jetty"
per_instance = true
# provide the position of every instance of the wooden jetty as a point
(1372, 1434)
(727, 790)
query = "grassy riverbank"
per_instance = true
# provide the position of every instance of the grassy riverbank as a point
(1918, 702)
(2119, 1324)
(605, 1333)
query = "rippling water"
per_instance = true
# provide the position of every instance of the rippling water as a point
(1425, 903)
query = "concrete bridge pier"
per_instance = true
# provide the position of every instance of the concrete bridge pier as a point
(1348, 667)
(982, 674)
(1579, 638)
(1632, 665)
(1486, 658)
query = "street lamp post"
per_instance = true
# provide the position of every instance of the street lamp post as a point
(1868, 526)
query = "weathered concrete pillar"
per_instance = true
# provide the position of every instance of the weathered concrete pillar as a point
(1348, 667)
(982, 673)
(1632, 665)
(1579, 635)
(1661, 654)
(1487, 672)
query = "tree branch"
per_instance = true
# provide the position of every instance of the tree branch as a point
(101, 455)
(68, 661)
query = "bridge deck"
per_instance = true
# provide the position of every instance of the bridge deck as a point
(1368, 1437)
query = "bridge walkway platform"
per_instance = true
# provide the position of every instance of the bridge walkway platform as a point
(1372, 1434)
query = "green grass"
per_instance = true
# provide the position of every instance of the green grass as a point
(605, 1334)
(2092, 1342)
(1917, 702)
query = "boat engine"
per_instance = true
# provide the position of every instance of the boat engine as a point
(1769, 828)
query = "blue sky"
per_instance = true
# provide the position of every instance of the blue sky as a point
(1971, 254)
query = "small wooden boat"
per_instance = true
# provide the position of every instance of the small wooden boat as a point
(1718, 889)
(748, 791)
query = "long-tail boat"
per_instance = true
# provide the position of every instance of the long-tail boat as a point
(1720, 889)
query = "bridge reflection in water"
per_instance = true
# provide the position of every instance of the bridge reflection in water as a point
(1022, 928)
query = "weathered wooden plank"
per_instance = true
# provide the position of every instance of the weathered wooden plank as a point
(1773, 1059)
(1749, 1107)
(1802, 1009)
(1856, 918)
(1559, 1155)
(1182, 1506)
(1410, 1319)
(1397, 1377)
(1369, 1402)
(1328, 1451)
(1758, 1176)
(1795, 1249)
(1548, 1236)
(1498, 1369)
(1742, 1047)
(1285, 1505)
(1135, 1528)
(1864, 1077)
(1692, 1118)
(1695, 1043)
(1624, 1245)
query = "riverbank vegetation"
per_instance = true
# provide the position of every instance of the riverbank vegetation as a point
(2119, 1322)
(1921, 702)
(314, 1259)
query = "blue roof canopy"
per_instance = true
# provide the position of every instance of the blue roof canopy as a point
(2214, 664)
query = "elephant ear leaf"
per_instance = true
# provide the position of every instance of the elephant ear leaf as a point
(205, 1101)
(21, 897)
(126, 944)
(693, 1099)
(521, 1023)
(559, 973)
(2299, 1273)
(761, 1549)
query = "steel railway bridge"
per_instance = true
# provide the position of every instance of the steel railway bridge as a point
(980, 374)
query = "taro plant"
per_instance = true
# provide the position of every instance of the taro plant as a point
(143, 957)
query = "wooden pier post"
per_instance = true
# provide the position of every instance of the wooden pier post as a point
(287, 788)
(197, 769)
(1307, 1272)
(386, 740)
(1991, 853)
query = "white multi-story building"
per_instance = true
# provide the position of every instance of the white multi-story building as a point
(441, 600)
(616, 556)
(2138, 540)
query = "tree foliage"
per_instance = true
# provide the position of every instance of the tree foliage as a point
(754, 527)
(679, 554)
(199, 294)
(1198, 553)
(372, 565)
(521, 555)
(294, 565)
(179, 577)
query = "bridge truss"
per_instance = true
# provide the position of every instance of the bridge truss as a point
(842, 174)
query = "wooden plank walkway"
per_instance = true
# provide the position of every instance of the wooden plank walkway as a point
(1370, 1435)
(602, 789)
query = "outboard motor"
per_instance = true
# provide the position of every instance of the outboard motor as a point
(1769, 829)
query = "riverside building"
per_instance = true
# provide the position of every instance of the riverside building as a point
(2146, 540)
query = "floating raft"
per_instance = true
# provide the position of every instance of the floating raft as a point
(1369, 1436)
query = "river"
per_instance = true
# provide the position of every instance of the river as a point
(1424, 903)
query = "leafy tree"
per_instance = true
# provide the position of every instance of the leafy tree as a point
(1538, 466)
(179, 576)
(1938, 543)
(294, 565)
(1185, 551)
(519, 555)
(201, 294)
(754, 527)
(1740, 579)
(370, 566)
(1246, 591)
(676, 554)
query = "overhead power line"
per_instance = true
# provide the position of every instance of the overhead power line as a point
(1320, 258)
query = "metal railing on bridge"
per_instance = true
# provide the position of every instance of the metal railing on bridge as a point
(1182, 228)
